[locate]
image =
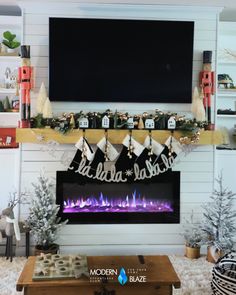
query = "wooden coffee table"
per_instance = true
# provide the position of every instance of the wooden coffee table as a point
(158, 271)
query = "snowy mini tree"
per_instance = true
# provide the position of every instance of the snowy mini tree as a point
(43, 221)
(197, 106)
(42, 96)
(219, 218)
(193, 234)
(47, 109)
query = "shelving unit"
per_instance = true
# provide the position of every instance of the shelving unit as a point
(230, 63)
(228, 94)
(226, 99)
(226, 116)
(9, 119)
(10, 158)
(11, 60)
(7, 91)
(9, 56)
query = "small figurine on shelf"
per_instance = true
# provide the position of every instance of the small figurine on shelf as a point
(1, 107)
(7, 78)
(130, 123)
(72, 120)
(6, 104)
(16, 101)
(171, 123)
(225, 81)
(105, 122)
(10, 78)
(26, 83)
(140, 123)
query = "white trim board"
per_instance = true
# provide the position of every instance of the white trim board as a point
(12, 21)
(121, 10)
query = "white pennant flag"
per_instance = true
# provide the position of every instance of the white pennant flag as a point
(112, 153)
(89, 152)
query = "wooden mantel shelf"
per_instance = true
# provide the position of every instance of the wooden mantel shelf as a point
(27, 135)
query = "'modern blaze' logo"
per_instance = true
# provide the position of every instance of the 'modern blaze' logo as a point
(122, 278)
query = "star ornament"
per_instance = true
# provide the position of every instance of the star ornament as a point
(41, 271)
(129, 172)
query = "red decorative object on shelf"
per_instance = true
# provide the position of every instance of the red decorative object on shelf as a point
(207, 84)
(8, 138)
(26, 83)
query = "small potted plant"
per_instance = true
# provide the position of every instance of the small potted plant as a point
(193, 236)
(43, 221)
(10, 42)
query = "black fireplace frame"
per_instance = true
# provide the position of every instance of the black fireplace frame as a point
(121, 217)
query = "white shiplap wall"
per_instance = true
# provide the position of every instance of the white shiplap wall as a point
(9, 167)
(197, 167)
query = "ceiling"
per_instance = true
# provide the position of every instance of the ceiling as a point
(229, 13)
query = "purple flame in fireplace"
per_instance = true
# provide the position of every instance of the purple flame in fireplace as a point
(130, 203)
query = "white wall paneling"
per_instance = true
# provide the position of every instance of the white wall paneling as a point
(9, 158)
(9, 175)
(14, 25)
(226, 163)
(227, 65)
(197, 168)
(196, 187)
(9, 179)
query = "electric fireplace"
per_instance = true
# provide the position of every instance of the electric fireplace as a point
(83, 200)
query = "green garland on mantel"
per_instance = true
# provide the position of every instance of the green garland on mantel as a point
(118, 120)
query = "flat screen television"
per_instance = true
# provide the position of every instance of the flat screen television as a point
(119, 60)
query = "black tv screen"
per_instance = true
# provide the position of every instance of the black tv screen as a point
(110, 60)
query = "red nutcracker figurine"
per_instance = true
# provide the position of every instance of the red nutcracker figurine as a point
(26, 83)
(207, 83)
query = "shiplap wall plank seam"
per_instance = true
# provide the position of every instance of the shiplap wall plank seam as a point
(39, 146)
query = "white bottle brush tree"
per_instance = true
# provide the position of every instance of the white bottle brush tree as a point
(192, 233)
(197, 106)
(219, 219)
(43, 220)
(41, 99)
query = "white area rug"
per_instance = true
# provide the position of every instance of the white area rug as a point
(9, 273)
(195, 275)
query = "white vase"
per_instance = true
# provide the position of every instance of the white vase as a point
(3, 48)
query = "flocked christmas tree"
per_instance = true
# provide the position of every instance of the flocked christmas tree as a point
(42, 96)
(197, 106)
(43, 220)
(192, 233)
(219, 218)
(47, 109)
